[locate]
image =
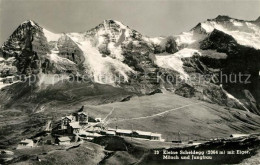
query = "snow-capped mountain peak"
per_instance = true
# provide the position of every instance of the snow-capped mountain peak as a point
(112, 29)
(222, 18)
(107, 22)
(48, 34)
(31, 22)
(246, 33)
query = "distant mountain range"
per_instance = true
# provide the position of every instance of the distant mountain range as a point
(112, 51)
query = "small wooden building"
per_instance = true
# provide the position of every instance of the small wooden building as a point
(65, 122)
(108, 133)
(48, 139)
(123, 132)
(82, 118)
(64, 140)
(156, 136)
(74, 128)
(142, 134)
(26, 143)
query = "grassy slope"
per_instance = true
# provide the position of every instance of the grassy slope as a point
(196, 121)
(25, 109)
(112, 150)
(252, 160)
(202, 120)
(251, 144)
(126, 151)
(22, 95)
(88, 153)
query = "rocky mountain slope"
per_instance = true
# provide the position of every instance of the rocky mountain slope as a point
(191, 64)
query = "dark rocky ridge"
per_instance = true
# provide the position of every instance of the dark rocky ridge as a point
(29, 46)
(68, 49)
(240, 60)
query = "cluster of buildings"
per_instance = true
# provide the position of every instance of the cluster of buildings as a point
(77, 127)
(133, 133)
(73, 123)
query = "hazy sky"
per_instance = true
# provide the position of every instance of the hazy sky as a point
(150, 17)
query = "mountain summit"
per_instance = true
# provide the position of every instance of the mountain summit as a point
(112, 51)
(258, 19)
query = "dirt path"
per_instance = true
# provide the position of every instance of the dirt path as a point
(157, 114)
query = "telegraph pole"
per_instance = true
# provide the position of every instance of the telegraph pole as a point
(132, 133)
(179, 134)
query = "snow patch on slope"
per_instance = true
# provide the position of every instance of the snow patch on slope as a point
(212, 54)
(171, 62)
(207, 28)
(50, 79)
(155, 40)
(2, 59)
(54, 57)
(51, 36)
(236, 23)
(186, 52)
(185, 38)
(188, 38)
(103, 69)
(235, 99)
(247, 34)
(2, 85)
(116, 51)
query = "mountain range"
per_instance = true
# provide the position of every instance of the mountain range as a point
(111, 55)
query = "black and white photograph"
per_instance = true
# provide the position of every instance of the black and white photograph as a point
(129, 82)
